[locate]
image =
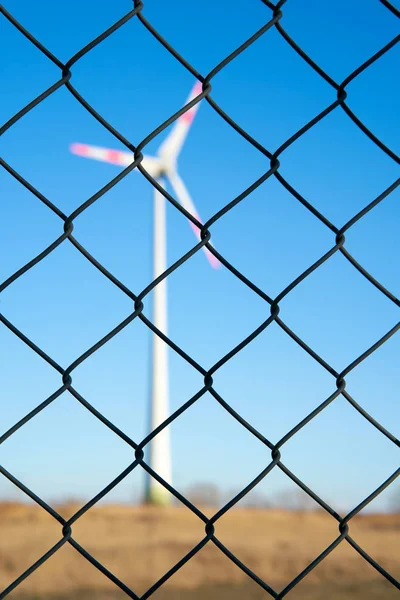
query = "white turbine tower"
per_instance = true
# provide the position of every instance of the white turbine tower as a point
(161, 167)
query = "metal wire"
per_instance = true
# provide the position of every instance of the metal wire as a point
(339, 388)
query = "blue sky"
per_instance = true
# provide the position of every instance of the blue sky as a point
(65, 305)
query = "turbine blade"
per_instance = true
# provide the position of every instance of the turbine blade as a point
(172, 145)
(115, 157)
(185, 200)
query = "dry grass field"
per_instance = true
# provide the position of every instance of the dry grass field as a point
(139, 544)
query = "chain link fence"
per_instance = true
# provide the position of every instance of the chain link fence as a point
(274, 19)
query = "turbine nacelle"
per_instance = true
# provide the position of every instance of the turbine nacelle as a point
(167, 166)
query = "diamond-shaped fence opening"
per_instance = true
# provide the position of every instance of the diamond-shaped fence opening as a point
(370, 315)
(279, 167)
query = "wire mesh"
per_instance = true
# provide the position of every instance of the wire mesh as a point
(274, 14)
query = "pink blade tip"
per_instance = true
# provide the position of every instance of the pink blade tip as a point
(189, 115)
(79, 149)
(213, 260)
(197, 89)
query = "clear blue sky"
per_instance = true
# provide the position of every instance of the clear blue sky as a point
(65, 305)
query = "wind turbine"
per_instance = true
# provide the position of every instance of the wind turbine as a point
(162, 167)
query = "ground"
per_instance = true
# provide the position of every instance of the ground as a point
(140, 544)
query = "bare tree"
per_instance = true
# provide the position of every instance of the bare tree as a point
(295, 500)
(394, 501)
(203, 493)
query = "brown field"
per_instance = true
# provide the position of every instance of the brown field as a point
(139, 544)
